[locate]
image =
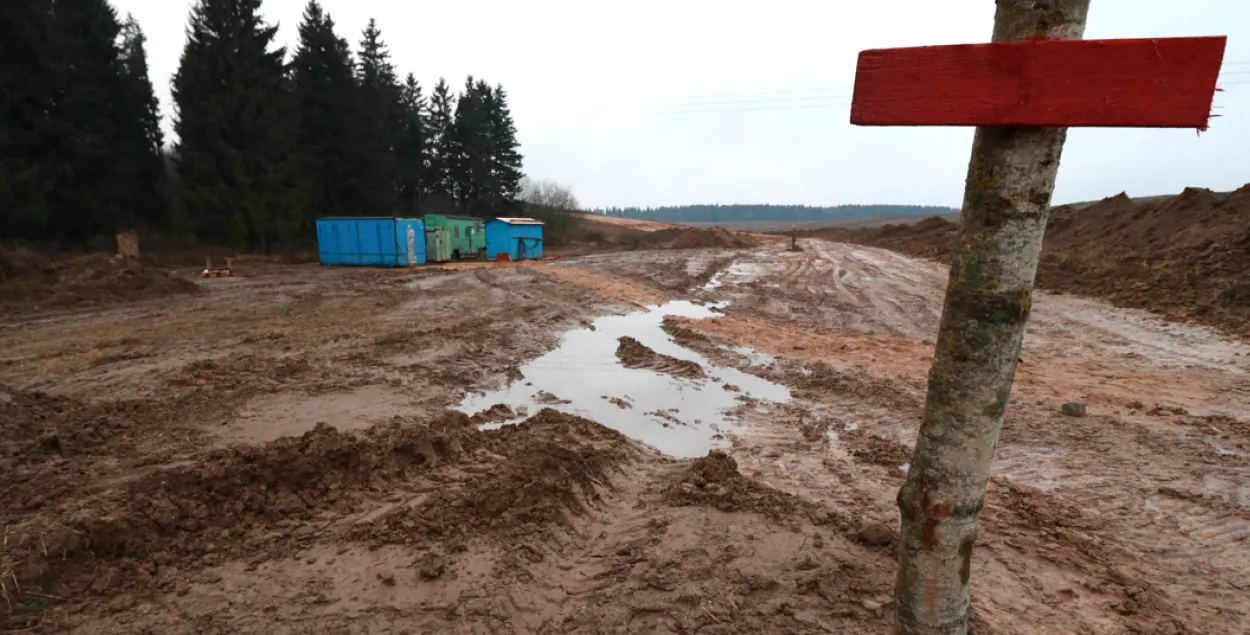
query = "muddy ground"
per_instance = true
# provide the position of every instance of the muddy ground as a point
(1183, 257)
(281, 452)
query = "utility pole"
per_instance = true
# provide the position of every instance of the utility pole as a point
(1022, 92)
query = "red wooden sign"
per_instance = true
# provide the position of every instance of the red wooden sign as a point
(1148, 83)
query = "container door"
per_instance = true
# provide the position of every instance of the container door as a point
(412, 246)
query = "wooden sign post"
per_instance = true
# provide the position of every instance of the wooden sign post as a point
(1022, 92)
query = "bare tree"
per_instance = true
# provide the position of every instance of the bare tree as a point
(1006, 203)
(548, 193)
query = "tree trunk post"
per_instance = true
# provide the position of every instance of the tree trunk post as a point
(1011, 177)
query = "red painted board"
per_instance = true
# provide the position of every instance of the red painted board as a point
(1148, 83)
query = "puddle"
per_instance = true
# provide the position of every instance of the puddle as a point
(1220, 450)
(680, 417)
(738, 272)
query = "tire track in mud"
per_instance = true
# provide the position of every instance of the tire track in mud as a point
(1144, 572)
(1180, 526)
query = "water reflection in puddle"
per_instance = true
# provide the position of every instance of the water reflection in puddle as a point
(680, 417)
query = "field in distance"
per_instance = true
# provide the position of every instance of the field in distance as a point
(847, 223)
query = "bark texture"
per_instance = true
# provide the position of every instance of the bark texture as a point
(1006, 203)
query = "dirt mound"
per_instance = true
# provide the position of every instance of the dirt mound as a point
(635, 354)
(223, 505)
(1185, 256)
(494, 414)
(555, 467)
(704, 237)
(714, 481)
(32, 282)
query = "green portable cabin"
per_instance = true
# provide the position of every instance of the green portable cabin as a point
(466, 235)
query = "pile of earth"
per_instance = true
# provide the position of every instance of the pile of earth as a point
(714, 481)
(555, 468)
(113, 534)
(705, 237)
(635, 354)
(1186, 257)
(31, 282)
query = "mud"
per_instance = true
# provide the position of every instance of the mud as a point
(275, 454)
(1183, 256)
(703, 238)
(635, 354)
(31, 282)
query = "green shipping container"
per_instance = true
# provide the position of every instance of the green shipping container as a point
(467, 235)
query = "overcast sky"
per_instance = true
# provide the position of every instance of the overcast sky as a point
(671, 102)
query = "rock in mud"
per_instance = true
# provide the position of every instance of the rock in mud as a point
(875, 535)
(430, 566)
(1074, 409)
(544, 397)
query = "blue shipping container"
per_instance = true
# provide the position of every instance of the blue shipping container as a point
(371, 241)
(515, 238)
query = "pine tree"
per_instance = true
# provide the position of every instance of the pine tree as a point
(141, 143)
(235, 122)
(412, 147)
(27, 158)
(506, 174)
(443, 151)
(323, 83)
(379, 118)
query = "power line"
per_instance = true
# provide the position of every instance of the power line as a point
(842, 90)
(842, 94)
(695, 111)
(836, 98)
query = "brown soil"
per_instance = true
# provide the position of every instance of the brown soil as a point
(1186, 257)
(704, 237)
(276, 454)
(714, 481)
(635, 354)
(32, 282)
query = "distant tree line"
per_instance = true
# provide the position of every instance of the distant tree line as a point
(548, 193)
(266, 142)
(728, 213)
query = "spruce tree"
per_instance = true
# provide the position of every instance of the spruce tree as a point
(506, 174)
(323, 83)
(141, 144)
(93, 193)
(28, 164)
(235, 122)
(443, 150)
(379, 112)
(471, 164)
(412, 146)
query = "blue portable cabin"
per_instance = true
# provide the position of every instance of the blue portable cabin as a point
(371, 241)
(514, 239)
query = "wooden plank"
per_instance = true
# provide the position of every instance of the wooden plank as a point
(1149, 83)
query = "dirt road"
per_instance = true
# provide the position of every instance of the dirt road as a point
(168, 473)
